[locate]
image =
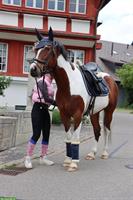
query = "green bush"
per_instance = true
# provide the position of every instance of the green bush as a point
(56, 117)
(4, 83)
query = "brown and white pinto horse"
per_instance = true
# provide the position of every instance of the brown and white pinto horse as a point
(72, 98)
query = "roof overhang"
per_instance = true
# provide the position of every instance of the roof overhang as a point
(68, 41)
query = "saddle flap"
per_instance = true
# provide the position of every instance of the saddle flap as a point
(96, 86)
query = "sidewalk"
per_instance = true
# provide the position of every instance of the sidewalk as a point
(15, 155)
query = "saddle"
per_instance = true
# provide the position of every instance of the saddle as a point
(96, 86)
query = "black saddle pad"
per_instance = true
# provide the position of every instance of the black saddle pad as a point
(95, 86)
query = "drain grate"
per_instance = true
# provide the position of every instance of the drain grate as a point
(13, 171)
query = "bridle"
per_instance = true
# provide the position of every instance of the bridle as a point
(43, 64)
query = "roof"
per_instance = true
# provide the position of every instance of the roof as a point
(116, 52)
(104, 3)
(113, 55)
(112, 60)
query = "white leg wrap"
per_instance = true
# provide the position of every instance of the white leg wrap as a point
(76, 135)
(68, 136)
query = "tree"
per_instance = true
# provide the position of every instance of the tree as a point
(126, 76)
(4, 83)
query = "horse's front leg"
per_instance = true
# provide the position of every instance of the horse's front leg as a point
(75, 141)
(67, 124)
(68, 157)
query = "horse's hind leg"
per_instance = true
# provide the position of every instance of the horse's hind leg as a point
(107, 131)
(96, 128)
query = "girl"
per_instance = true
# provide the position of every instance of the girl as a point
(42, 98)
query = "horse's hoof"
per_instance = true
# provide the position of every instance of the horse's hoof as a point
(104, 157)
(66, 164)
(72, 169)
(90, 157)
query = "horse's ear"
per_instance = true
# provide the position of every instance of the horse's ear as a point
(39, 36)
(50, 34)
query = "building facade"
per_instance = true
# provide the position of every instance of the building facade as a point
(74, 23)
(111, 57)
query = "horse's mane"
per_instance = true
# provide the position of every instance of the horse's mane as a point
(62, 49)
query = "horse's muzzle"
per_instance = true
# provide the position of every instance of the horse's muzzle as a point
(33, 70)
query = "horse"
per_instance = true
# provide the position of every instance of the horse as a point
(73, 99)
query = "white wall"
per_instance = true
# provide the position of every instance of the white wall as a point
(80, 26)
(57, 23)
(33, 21)
(15, 94)
(8, 18)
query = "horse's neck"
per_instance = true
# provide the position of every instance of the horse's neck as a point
(62, 82)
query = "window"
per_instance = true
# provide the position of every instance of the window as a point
(58, 5)
(73, 55)
(77, 6)
(12, 2)
(28, 55)
(3, 56)
(34, 3)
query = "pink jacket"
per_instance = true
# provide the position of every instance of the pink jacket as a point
(35, 96)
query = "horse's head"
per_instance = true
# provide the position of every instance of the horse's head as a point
(47, 51)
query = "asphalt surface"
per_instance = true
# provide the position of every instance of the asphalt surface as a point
(95, 180)
(16, 154)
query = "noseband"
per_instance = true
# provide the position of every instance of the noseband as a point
(45, 63)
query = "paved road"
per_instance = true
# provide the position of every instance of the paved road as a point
(95, 180)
